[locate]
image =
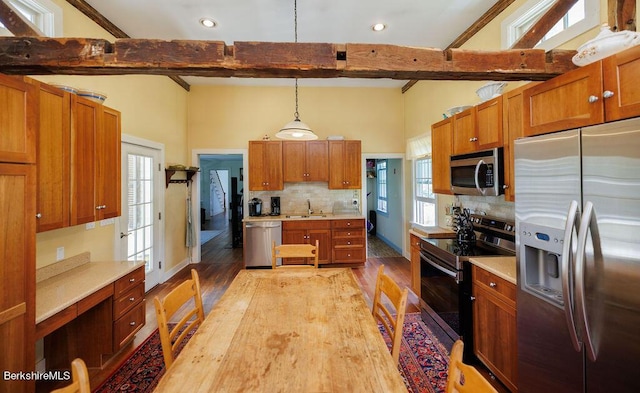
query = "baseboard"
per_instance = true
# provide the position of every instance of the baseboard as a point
(167, 274)
(389, 243)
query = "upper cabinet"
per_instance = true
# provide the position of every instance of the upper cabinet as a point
(601, 91)
(108, 185)
(478, 128)
(265, 166)
(442, 147)
(18, 120)
(464, 131)
(305, 161)
(345, 164)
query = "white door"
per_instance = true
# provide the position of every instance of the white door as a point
(140, 229)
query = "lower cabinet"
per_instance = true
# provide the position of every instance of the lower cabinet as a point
(307, 232)
(415, 264)
(128, 307)
(349, 241)
(494, 327)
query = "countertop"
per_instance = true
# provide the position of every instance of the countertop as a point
(503, 267)
(56, 293)
(304, 216)
(433, 232)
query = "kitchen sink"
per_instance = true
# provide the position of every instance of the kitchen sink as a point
(307, 217)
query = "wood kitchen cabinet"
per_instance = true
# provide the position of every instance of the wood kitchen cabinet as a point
(128, 307)
(265, 166)
(442, 148)
(512, 129)
(415, 264)
(345, 164)
(494, 325)
(305, 161)
(478, 128)
(599, 92)
(348, 238)
(18, 120)
(95, 158)
(307, 232)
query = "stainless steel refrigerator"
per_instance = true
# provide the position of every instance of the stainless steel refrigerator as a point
(578, 254)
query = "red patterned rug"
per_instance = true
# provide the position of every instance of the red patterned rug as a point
(423, 362)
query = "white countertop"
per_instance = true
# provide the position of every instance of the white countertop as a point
(503, 267)
(61, 291)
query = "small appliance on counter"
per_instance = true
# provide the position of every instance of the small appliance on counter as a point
(255, 207)
(275, 206)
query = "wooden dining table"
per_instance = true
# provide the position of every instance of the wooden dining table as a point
(287, 330)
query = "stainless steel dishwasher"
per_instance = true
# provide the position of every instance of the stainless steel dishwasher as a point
(257, 245)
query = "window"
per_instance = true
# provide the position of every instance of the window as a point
(584, 15)
(44, 14)
(424, 212)
(381, 178)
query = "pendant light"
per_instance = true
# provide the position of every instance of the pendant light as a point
(296, 129)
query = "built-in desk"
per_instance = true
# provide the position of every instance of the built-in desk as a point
(88, 310)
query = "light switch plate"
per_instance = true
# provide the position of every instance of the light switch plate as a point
(59, 253)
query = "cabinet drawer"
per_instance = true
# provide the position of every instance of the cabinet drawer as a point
(306, 224)
(128, 300)
(348, 255)
(501, 288)
(126, 327)
(355, 241)
(348, 233)
(355, 223)
(129, 281)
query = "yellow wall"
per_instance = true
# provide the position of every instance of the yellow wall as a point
(226, 117)
(152, 107)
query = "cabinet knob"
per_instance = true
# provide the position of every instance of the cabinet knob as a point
(132, 280)
(348, 224)
(593, 99)
(607, 94)
(474, 139)
(504, 187)
(39, 215)
(473, 298)
(349, 243)
(132, 299)
(493, 284)
(132, 323)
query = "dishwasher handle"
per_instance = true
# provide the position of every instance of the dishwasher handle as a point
(263, 225)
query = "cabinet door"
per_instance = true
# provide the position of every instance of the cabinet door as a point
(336, 164)
(323, 236)
(317, 161)
(621, 78)
(352, 164)
(415, 265)
(294, 159)
(464, 132)
(17, 273)
(108, 186)
(256, 165)
(273, 165)
(54, 158)
(18, 120)
(265, 166)
(568, 101)
(294, 236)
(83, 159)
(489, 124)
(442, 146)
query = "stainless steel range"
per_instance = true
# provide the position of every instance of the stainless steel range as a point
(446, 273)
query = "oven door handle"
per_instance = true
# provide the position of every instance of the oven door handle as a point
(451, 273)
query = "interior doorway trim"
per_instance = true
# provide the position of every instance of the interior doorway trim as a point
(196, 255)
(363, 196)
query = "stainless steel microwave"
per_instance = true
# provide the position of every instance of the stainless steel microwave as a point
(478, 173)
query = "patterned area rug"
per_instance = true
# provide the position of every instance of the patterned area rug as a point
(423, 362)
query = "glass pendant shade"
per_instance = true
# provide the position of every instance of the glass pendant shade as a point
(296, 130)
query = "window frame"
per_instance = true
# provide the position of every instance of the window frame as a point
(532, 9)
(382, 187)
(430, 200)
(44, 14)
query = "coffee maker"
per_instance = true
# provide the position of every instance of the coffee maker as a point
(275, 206)
(255, 207)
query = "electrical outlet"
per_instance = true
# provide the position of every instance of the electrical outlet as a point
(90, 225)
(59, 253)
(354, 202)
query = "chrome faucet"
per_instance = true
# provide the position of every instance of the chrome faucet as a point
(309, 211)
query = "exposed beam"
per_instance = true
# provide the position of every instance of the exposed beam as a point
(544, 24)
(114, 30)
(484, 20)
(83, 56)
(622, 15)
(13, 20)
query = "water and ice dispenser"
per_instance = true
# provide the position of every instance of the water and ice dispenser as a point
(541, 261)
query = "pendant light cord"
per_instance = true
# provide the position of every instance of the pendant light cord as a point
(295, 36)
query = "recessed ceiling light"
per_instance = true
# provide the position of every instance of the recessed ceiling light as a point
(378, 27)
(208, 22)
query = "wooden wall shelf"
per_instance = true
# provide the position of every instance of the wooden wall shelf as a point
(170, 172)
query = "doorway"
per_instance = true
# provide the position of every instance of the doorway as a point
(140, 231)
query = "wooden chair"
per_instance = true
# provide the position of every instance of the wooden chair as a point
(167, 307)
(398, 297)
(80, 378)
(294, 251)
(474, 382)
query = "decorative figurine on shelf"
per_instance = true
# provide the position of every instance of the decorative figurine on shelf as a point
(266, 137)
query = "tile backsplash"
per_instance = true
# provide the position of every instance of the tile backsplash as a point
(494, 206)
(293, 199)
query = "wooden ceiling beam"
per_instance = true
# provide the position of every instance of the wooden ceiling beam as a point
(83, 56)
(114, 30)
(544, 24)
(622, 15)
(13, 20)
(484, 20)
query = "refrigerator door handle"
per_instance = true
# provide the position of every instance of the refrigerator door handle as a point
(587, 224)
(571, 227)
(476, 180)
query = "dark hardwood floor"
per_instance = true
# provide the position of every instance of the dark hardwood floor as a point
(220, 264)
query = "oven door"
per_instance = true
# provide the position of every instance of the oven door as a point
(441, 292)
